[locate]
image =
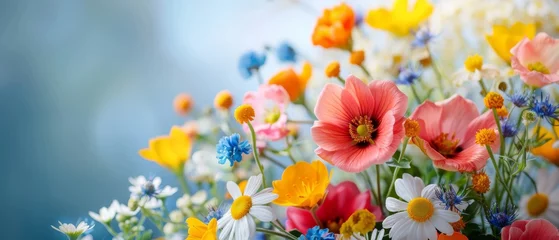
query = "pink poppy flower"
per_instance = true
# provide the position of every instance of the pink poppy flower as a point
(269, 103)
(341, 201)
(527, 230)
(537, 60)
(359, 125)
(448, 131)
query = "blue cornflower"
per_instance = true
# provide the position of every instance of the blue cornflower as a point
(216, 212)
(501, 218)
(451, 200)
(316, 233)
(286, 53)
(422, 37)
(230, 148)
(407, 75)
(545, 109)
(358, 18)
(519, 99)
(249, 62)
(508, 128)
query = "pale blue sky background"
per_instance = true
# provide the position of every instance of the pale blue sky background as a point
(85, 84)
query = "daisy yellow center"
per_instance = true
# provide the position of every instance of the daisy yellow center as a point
(272, 116)
(420, 209)
(537, 204)
(538, 67)
(240, 207)
(473, 63)
(445, 145)
(362, 130)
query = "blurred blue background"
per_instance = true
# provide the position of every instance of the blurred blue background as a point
(85, 84)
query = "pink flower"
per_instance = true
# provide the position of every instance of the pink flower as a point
(537, 60)
(269, 105)
(359, 125)
(342, 200)
(527, 230)
(448, 131)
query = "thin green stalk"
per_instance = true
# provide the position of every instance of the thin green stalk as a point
(272, 232)
(255, 153)
(313, 213)
(370, 185)
(274, 161)
(483, 88)
(437, 71)
(289, 151)
(301, 121)
(182, 180)
(395, 175)
(415, 94)
(365, 70)
(340, 79)
(378, 187)
(110, 229)
(497, 174)
(501, 137)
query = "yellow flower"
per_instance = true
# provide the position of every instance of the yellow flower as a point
(183, 103)
(399, 20)
(493, 100)
(504, 38)
(486, 136)
(357, 57)
(411, 128)
(333, 69)
(223, 100)
(302, 185)
(547, 151)
(295, 84)
(346, 230)
(481, 182)
(502, 112)
(244, 113)
(197, 230)
(473, 63)
(169, 151)
(362, 221)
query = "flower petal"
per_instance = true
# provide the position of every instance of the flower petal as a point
(395, 205)
(233, 190)
(262, 213)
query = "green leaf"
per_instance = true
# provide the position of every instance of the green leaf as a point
(146, 235)
(295, 233)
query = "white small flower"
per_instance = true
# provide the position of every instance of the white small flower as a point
(144, 187)
(238, 222)
(417, 218)
(151, 203)
(176, 216)
(72, 231)
(204, 166)
(169, 229)
(474, 70)
(105, 215)
(125, 211)
(186, 201)
(545, 203)
(87, 237)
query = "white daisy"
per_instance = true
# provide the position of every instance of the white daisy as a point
(475, 70)
(375, 235)
(544, 203)
(125, 211)
(418, 218)
(73, 232)
(150, 188)
(236, 223)
(204, 168)
(105, 215)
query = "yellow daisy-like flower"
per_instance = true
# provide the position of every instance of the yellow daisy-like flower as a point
(502, 112)
(244, 113)
(486, 136)
(400, 20)
(493, 100)
(357, 57)
(170, 151)
(223, 100)
(197, 230)
(481, 182)
(333, 69)
(504, 38)
(295, 84)
(302, 185)
(362, 221)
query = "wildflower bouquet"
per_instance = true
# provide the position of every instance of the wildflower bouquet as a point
(415, 138)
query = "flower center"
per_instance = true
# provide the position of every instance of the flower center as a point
(149, 189)
(240, 207)
(420, 209)
(362, 130)
(446, 146)
(334, 225)
(537, 204)
(473, 63)
(538, 67)
(272, 116)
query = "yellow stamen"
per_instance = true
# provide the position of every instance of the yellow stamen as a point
(420, 209)
(473, 63)
(537, 204)
(538, 67)
(411, 127)
(240, 207)
(361, 130)
(272, 116)
(446, 146)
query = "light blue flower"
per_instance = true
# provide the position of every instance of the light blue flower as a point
(316, 233)
(231, 148)
(286, 53)
(422, 38)
(545, 109)
(407, 75)
(249, 62)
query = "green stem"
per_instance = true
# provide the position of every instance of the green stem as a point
(313, 213)
(272, 232)
(378, 187)
(497, 174)
(301, 121)
(255, 153)
(340, 79)
(274, 161)
(365, 70)
(182, 180)
(395, 175)
(483, 88)
(289, 151)
(437, 71)
(415, 94)
(501, 137)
